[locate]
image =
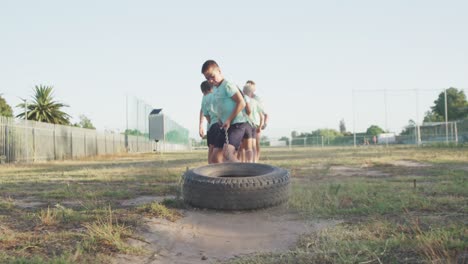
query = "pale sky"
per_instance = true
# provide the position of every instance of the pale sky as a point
(305, 56)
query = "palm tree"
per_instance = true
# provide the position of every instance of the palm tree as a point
(43, 108)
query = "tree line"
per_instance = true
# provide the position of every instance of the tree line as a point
(457, 109)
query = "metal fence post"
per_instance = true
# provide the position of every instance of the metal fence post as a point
(84, 140)
(446, 117)
(34, 144)
(419, 134)
(26, 143)
(7, 145)
(55, 144)
(105, 144)
(451, 131)
(96, 140)
(71, 144)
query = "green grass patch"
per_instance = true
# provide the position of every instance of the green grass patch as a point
(357, 197)
(164, 189)
(177, 203)
(159, 210)
(377, 241)
(115, 194)
(106, 234)
(6, 204)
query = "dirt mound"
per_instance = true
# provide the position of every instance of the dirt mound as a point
(410, 163)
(204, 236)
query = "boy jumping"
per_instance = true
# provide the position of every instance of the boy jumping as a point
(229, 104)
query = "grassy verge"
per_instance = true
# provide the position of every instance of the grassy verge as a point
(410, 213)
(374, 241)
(72, 212)
(391, 211)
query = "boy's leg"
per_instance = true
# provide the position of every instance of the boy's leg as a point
(246, 145)
(254, 149)
(209, 144)
(248, 138)
(229, 153)
(240, 152)
(257, 145)
(249, 157)
(217, 155)
(210, 154)
(218, 144)
(235, 135)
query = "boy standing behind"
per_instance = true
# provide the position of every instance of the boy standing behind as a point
(256, 118)
(228, 104)
(207, 111)
(265, 118)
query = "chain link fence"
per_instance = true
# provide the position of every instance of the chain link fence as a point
(176, 137)
(412, 116)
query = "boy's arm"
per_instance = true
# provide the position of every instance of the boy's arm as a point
(265, 115)
(248, 110)
(240, 104)
(201, 131)
(265, 120)
(262, 119)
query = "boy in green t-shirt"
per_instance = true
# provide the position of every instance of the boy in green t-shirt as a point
(228, 104)
(254, 113)
(207, 111)
(264, 122)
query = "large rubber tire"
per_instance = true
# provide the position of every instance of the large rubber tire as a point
(236, 186)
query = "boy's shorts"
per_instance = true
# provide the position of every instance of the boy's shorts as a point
(212, 134)
(235, 135)
(249, 131)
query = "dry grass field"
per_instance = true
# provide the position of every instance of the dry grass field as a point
(374, 205)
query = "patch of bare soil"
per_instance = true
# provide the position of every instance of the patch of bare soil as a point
(205, 236)
(410, 163)
(32, 204)
(313, 167)
(28, 204)
(145, 200)
(356, 171)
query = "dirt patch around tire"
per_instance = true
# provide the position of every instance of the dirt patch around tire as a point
(205, 236)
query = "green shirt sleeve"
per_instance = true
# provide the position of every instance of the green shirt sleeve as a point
(231, 89)
(202, 107)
